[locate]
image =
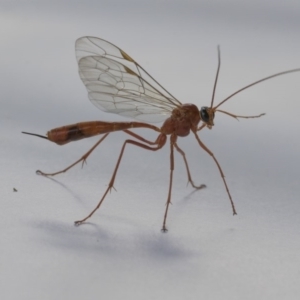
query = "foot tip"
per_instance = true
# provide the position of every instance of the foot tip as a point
(77, 223)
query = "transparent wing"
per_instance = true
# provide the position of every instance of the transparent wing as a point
(118, 84)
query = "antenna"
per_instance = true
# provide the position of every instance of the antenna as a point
(256, 82)
(216, 79)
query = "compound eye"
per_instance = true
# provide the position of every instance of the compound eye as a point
(204, 114)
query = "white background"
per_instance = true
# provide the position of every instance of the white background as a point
(121, 253)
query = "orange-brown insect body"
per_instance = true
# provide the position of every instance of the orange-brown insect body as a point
(70, 133)
(182, 120)
(116, 83)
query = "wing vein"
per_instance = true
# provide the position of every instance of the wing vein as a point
(116, 84)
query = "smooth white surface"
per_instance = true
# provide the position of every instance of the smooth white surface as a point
(121, 253)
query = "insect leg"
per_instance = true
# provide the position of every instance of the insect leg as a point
(220, 170)
(188, 170)
(138, 137)
(83, 159)
(172, 142)
(160, 141)
(201, 127)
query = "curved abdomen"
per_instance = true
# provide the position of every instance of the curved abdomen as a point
(65, 134)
